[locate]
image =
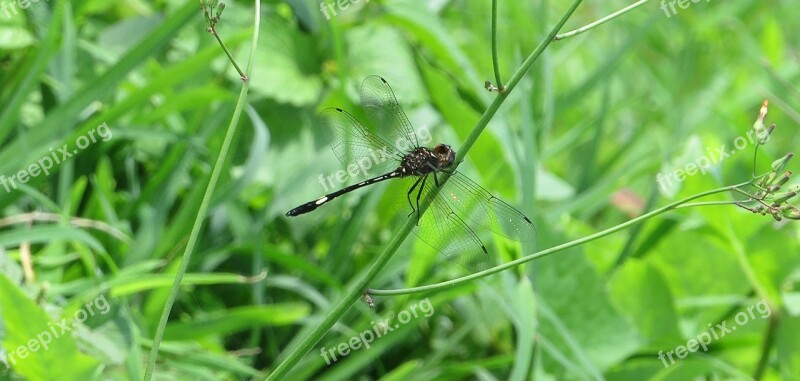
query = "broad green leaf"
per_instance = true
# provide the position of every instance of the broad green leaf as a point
(374, 49)
(656, 320)
(286, 56)
(36, 347)
(583, 323)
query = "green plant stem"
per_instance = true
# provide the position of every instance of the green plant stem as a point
(228, 53)
(512, 83)
(601, 21)
(495, 59)
(755, 158)
(355, 291)
(555, 249)
(201, 213)
(763, 360)
(706, 203)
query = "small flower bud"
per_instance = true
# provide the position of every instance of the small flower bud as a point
(779, 164)
(766, 180)
(783, 179)
(780, 198)
(762, 132)
(764, 139)
(791, 212)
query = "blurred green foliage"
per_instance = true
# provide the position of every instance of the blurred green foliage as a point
(577, 146)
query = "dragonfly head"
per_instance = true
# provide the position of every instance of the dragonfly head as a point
(445, 155)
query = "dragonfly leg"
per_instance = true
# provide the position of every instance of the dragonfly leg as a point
(408, 196)
(419, 194)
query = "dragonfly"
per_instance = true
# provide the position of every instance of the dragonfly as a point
(416, 173)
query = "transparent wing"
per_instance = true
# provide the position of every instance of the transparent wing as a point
(440, 227)
(354, 144)
(474, 203)
(382, 109)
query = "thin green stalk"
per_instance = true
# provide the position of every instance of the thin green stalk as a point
(766, 346)
(352, 295)
(755, 159)
(601, 21)
(356, 290)
(495, 59)
(228, 53)
(555, 249)
(512, 83)
(706, 203)
(636, 231)
(201, 213)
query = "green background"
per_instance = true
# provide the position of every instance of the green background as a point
(576, 146)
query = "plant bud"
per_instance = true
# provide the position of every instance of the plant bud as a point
(780, 198)
(791, 212)
(765, 139)
(762, 132)
(783, 179)
(766, 180)
(779, 164)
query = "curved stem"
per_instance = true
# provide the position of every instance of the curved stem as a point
(203, 210)
(495, 59)
(755, 159)
(242, 75)
(543, 253)
(706, 203)
(74, 221)
(512, 83)
(601, 21)
(356, 289)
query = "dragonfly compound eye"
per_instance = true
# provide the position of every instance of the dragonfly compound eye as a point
(445, 155)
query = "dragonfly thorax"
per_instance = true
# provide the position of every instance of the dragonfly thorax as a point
(422, 160)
